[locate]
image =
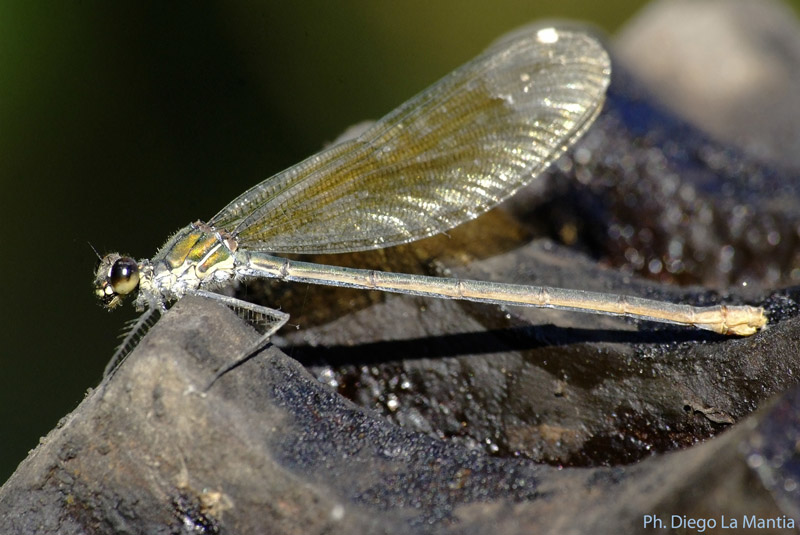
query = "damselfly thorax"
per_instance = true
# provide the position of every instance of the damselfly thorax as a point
(196, 257)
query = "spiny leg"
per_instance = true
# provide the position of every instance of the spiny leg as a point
(131, 336)
(264, 319)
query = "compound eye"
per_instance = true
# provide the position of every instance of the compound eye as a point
(123, 277)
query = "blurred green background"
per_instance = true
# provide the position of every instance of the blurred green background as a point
(122, 122)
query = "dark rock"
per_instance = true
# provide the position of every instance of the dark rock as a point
(269, 448)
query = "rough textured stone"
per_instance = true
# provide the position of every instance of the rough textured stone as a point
(270, 449)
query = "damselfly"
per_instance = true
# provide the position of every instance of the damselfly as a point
(444, 157)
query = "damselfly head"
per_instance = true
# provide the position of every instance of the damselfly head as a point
(116, 277)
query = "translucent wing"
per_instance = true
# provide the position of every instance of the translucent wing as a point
(444, 157)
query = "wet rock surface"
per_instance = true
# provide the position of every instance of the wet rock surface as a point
(464, 417)
(269, 448)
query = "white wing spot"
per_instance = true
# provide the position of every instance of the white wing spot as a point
(547, 35)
